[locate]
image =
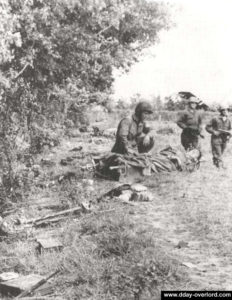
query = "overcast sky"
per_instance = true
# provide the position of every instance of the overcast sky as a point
(194, 56)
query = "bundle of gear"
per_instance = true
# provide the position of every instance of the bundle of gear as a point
(117, 166)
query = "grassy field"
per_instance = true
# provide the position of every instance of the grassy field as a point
(180, 241)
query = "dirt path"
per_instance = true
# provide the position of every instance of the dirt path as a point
(192, 216)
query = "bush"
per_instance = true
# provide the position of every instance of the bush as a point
(41, 137)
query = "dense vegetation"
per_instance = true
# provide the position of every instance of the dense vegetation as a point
(57, 56)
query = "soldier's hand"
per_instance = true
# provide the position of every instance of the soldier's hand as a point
(216, 133)
(202, 136)
(146, 140)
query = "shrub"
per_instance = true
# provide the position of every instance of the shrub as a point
(41, 137)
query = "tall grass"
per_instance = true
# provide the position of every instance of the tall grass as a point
(113, 259)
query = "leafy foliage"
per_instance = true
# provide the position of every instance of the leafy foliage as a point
(58, 55)
(67, 49)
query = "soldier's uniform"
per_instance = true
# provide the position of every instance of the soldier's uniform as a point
(219, 141)
(191, 123)
(131, 133)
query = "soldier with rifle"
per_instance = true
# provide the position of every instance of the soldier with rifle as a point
(220, 130)
(191, 123)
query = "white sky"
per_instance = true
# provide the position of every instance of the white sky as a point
(194, 56)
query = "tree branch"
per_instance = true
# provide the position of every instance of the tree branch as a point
(23, 69)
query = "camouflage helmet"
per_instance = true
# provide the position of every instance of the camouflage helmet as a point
(143, 106)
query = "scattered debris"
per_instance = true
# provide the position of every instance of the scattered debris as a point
(128, 192)
(140, 193)
(137, 193)
(46, 203)
(76, 149)
(89, 167)
(27, 291)
(72, 160)
(136, 187)
(86, 206)
(51, 218)
(47, 162)
(182, 244)
(20, 284)
(114, 192)
(8, 276)
(126, 195)
(141, 196)
(189, 265)
(48, 243)
(69, 175)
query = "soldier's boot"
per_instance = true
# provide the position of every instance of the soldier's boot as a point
(216, 162)
(220, 165)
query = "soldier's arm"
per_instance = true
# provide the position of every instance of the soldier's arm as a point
(200, 123)
(229, 131)
(229, 125)
(123, 131)
(210, 128)
(181, 122)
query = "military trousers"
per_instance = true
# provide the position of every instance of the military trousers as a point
(190, 141)
(217, 151)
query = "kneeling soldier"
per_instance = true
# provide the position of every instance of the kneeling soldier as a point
(219, 128)
(133, 132)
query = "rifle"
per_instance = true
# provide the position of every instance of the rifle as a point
(227, 132)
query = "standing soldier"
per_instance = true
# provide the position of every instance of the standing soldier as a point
(191, 123)
(219, 128)
(133, 132)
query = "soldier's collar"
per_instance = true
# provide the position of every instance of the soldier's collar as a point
(192, 110)
(136, 119)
